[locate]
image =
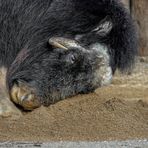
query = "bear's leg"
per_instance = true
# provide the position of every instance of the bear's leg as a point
(7, 108)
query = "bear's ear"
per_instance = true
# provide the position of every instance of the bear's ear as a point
(104, 27)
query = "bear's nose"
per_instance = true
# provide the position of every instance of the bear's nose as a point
(23, 95)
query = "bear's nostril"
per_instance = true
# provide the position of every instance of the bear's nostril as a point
(24, 97)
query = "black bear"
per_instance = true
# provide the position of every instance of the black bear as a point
(53, 49)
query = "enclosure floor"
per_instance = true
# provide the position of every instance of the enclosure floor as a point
(80, 144)
(116, 112)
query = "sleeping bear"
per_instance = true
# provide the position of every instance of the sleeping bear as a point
(54, 49)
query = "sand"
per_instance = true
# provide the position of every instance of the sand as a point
(116, 112)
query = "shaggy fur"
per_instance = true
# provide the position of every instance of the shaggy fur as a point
(27, 25)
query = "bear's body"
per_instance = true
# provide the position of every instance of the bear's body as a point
(48, 74)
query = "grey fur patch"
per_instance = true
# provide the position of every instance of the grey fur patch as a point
(103, 73)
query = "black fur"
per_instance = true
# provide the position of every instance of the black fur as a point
(26, 26)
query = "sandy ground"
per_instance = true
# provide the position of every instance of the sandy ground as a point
(116, 112)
